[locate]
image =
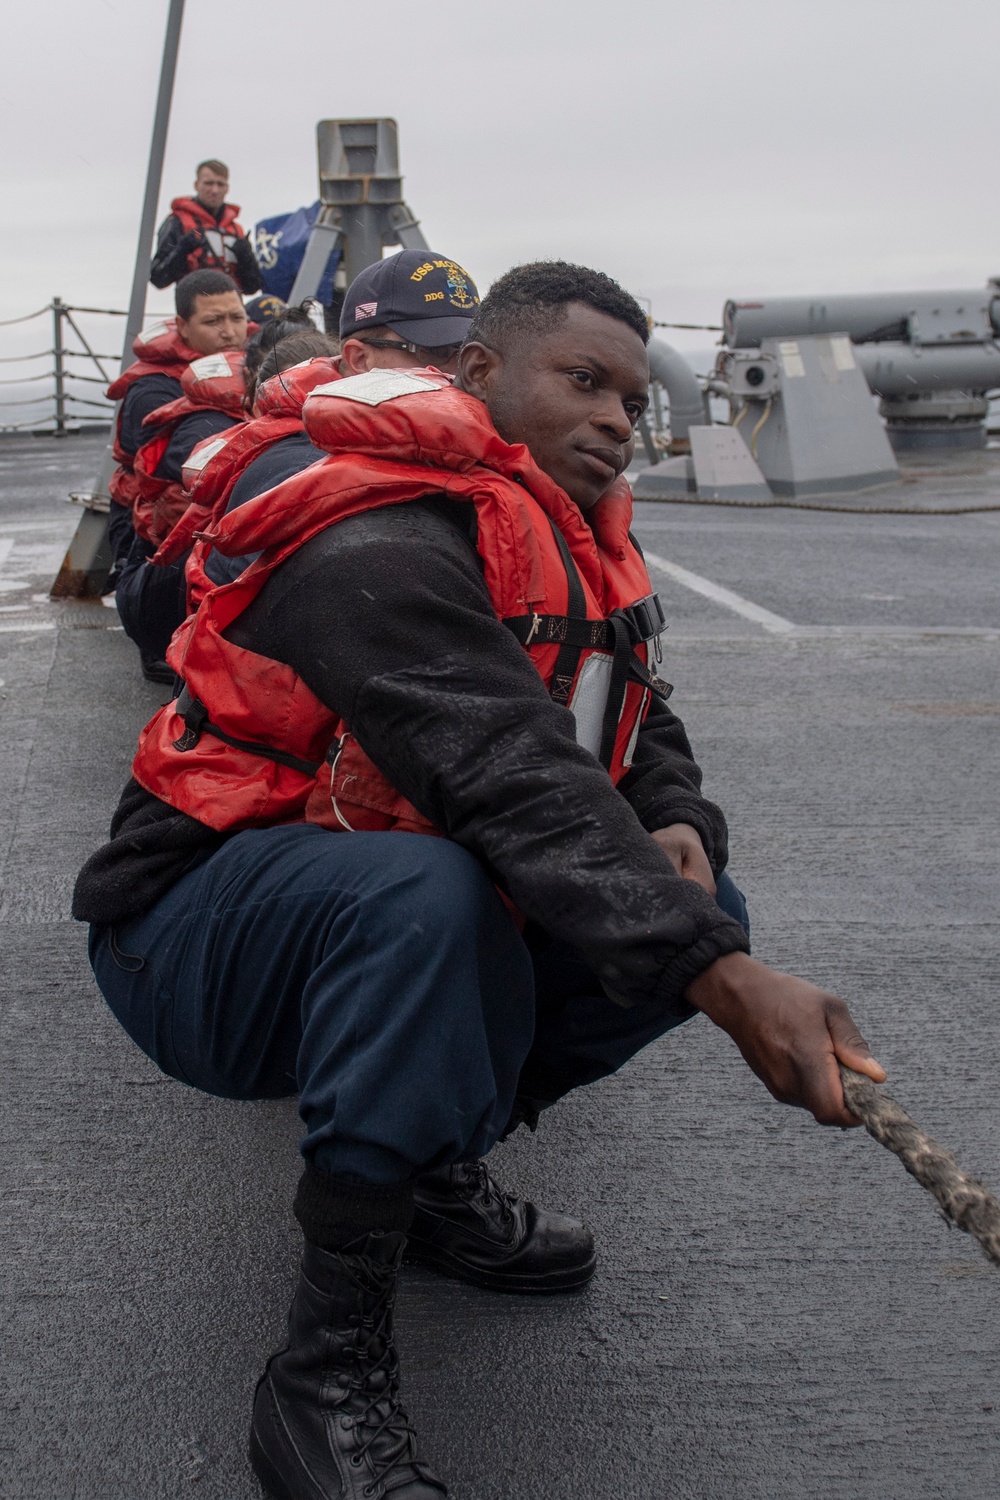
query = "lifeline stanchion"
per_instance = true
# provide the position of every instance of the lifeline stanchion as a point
(963, 1199)
(60, 370)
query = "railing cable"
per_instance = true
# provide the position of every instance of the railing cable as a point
(111, 312)
(28, 317)
(95, 357)
(27, 379)
(14, 359)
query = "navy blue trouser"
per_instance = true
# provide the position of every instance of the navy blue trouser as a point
(120, 532)
(378, 976)
(151, 601)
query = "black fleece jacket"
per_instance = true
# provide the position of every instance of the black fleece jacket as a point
(143, 397)
(288, 456)
(387, 618)
(173, 246)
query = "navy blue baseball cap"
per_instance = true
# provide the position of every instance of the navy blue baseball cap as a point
(420, 295)
(265, 308)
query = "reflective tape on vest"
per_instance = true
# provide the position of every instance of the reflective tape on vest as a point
(204, 454)
(375, 386)
(590, 700)
(211, 367)
(156, 331)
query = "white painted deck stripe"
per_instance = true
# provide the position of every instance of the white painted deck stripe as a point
(719, 595)
(26, 628)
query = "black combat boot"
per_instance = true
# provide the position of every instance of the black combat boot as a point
(465, 1226)
(156, 670)
(327, 1419)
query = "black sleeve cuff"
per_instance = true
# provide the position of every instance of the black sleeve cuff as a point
(671, 985)
(680, 806)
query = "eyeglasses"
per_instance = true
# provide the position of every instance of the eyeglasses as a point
(439, 355)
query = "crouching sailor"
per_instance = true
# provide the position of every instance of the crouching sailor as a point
(408, 291)
(167, 408)
(422, 841)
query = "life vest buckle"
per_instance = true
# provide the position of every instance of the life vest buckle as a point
(646, 617)
(195, 716)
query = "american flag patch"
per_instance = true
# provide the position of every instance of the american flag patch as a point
(365, 310)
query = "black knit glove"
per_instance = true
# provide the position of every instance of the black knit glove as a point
(246, 265)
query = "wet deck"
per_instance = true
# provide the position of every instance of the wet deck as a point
(778, 1313)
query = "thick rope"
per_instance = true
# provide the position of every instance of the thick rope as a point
(846, 510)
(963, 1199)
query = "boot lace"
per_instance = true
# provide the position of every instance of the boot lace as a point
(372, 1387)
(478, 1184)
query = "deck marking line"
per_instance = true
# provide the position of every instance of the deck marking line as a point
(25, 628)
(719, 595)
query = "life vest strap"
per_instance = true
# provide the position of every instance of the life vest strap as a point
(639, 672)
(574, 633)
(196, 721)
(568, 659)
(645, 620)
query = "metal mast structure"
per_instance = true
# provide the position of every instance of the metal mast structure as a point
(87, 564)
(361, 193)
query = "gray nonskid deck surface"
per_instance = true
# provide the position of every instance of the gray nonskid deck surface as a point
(778, 1312)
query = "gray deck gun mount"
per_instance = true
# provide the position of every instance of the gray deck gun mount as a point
(802, 422)
(932, 356)
(361, 196)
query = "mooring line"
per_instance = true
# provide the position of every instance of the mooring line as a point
(964, 1200)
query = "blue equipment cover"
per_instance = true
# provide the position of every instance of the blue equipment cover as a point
(280, 243)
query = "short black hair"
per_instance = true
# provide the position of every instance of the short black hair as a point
(200, 284)
(291, 321)
(290, 349)
(533, 298)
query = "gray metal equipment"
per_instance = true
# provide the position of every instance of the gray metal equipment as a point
(361, 193)
(802, 423)
(805, 412)
(688, 407)
(931, 356)
(724, 468)
(719, 468)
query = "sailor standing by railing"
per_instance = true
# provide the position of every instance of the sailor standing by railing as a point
(203, 233)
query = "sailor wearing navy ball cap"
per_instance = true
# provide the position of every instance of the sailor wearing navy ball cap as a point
(408, 311)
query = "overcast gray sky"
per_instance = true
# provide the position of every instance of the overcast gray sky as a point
(694, 151)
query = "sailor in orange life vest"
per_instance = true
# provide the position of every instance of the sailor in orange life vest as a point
(450, 633)
(186, 384)
(152, 602)
(411, 294)
(224, 472)
(204, 233)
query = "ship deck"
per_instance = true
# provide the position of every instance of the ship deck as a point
(779, 1312)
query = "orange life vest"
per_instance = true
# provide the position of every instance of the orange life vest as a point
(211, 382)
(214, 466)
(219, 234)
(248, 744)
(158, 351)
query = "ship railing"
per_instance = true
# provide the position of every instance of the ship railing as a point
(74, 377)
